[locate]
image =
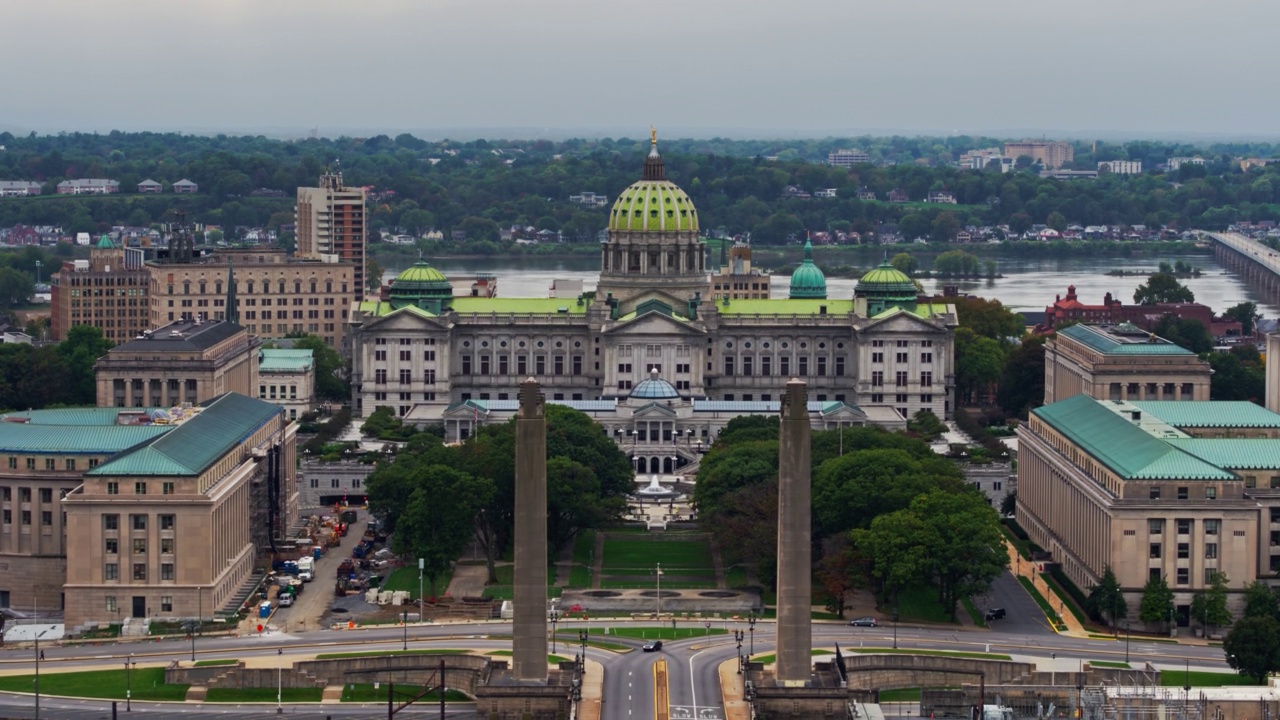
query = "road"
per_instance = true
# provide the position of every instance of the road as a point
(628, 683)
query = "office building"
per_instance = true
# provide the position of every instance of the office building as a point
(182, 363)
(1120, 362)
(738, 279)
(1052, 155)
(287, 378)
(109, 291)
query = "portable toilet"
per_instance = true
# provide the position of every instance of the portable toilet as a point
(264, 609)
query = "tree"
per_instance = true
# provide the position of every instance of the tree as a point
(1009, 503)
(1253, 648)
(82, 348)
(1057, 221)
(979, 362)
(1157, 601)
(1022, 379)
(436, 531)
(331, 370)
(957, 262)
(1237, 375)
(850, 491)
(905, 263)
(373, 275)
(913, 225)
(1106, 599)
(989, 318)
(836, 572)
(944, 227)
(728, 468)
(1162, 288)
(1244, 313)
(1185, 332)
(16, 288)
(1209, 607)
(1260, 601)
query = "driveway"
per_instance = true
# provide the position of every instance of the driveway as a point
(1023, 617)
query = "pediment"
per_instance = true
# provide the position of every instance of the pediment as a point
(656, 408)
(406, 318)
(655, 324)
(900, 321)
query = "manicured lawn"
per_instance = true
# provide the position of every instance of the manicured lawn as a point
(550, 658)
(584, 547)
(211, 663)
(504, 590)
(381, 653)
(1198, 678)
(146, 683)
(919, 603)
(570, 637)
(665, 633)
(1109, 664)
(368, 694)
(901, 695)
(264, 695)
(579, 576)
(406, 578)
(767, 658)
(736, 577)
(669, 585)
(640, 556)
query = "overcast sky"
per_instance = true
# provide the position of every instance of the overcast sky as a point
(761, 68)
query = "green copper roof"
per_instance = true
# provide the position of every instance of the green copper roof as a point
(807, 306)
(808, 281)
(61, 439)
(1234, 453)
(191, 447)
(421, 272)
(276, 360)
(104, 243)
(653, 206)
(1117, 344)
(1209, 414)
(886, 282)
(1123, 446)
(519, 306)
(924, 310)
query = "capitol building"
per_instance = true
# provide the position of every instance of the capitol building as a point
(650, 355)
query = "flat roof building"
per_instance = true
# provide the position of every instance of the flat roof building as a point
(1120, 362)
(287, 378)
(331, 221)
(182, 363)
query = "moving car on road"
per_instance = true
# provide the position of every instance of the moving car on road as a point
(995, 614)
(652, 646)
(863, 622)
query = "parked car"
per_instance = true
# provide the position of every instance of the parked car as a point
(652, 646)
(995, 614)
(863, 622)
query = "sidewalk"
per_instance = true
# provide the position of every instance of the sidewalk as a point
(1027, 569)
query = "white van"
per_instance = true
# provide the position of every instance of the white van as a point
(306, 568)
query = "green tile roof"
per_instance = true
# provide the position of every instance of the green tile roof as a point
(797, 306)
(1123, 446)
(518, 306)
(924, 310)
(1108, 344)
(1209, 414)
(1235, 453)
(75, 416)
(275, 360)
(191, 447)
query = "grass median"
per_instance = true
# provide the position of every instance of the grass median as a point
(145, 684)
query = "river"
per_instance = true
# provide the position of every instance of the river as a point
(1028, 283)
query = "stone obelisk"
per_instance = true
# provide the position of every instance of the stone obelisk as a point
(795, 639)
(529, 630)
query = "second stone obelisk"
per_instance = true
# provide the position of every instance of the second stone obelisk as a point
(795, 639)
(529, 629)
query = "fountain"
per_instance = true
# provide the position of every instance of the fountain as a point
(655, 491)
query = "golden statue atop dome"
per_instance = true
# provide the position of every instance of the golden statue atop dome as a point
(653, 135)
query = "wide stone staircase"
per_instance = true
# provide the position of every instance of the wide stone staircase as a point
(242, 593)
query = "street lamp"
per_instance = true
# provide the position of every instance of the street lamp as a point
(635, 449)
(555, 618)
(658, 595)
(38, 672)
(38, 264)
(582, 656)
(1126, 642)
(128, 683)
(737, 636)
(895, 625)
(404, 622)
(751, 626)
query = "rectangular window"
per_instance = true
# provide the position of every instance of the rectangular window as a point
(839, 365)
(558, 365)
(900, 378)
(1211, 493)
(804, 365)
(784, 365)
(1184, 526)
(139, 546)
(113, 488)
(926, 358)
(112, 546)
(110, 522)
(167, 522)
(46, 518)
(166, 488)
(900, 357)
(1184, 551)
(540, 365)
(822, 366)
(46, 495)
(728, 366)
(1154, 550)
(166, 602)
(140, 571)
(1211, 527)
(139, 488)
(1155, 492)
(877, 357)
(70, 464)
(166, 571)
(1155, 527)
(138, 522)
(50, 464)
(1183, 493)
(112, 607)
(1211, 551)
(166, 546)
(926, 379)
(111, 571)
(877, 378)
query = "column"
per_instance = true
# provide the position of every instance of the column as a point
(529, 630)
(795, 639)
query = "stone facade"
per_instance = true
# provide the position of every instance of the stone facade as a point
(322, 484)
(109, 291)
(180, 363)
(1120, 362)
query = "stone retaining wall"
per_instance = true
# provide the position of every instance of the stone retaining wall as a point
(462, 672)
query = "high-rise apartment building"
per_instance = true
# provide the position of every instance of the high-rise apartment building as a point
(1052, 155)
(331, 221)
(108, 291)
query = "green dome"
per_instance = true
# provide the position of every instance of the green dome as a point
(420, 281)
(104, 243)
(808, 282)
(886, 282)
(654, 204)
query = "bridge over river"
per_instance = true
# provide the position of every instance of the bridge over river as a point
(1255, 263)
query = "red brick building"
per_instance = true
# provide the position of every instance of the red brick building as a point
(1114, 312)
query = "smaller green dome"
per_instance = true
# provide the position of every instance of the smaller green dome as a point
(422, 285)
(104, 243)
(420, 272)
(808, 282)
(886, 282)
